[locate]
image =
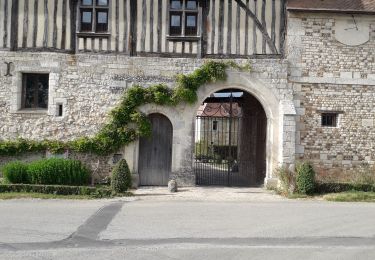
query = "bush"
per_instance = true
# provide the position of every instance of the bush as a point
(121, 177)
(287, 178)
(57, 190)
(15, 172)
(305, 178)
(59, 172)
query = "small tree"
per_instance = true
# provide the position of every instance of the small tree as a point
(305, 178)
(121, 177)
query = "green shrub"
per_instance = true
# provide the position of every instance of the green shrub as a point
(58, 171)
(15, 172)
(287, 178)
(121, 177)
(305, 178)
(342, 187)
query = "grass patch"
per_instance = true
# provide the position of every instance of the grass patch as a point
(351, 196)
(297, 196)
(35, 195)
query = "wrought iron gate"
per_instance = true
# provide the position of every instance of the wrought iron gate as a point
(218, 134)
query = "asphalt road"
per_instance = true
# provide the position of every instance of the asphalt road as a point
(144, 228)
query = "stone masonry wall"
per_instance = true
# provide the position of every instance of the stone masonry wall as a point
(89, 86)
(329, 76)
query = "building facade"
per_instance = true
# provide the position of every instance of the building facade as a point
(66, 64)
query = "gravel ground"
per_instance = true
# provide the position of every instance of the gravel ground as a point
(207, 194)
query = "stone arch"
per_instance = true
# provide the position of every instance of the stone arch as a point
(270, 103)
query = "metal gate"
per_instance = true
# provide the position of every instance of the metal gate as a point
(218, 133)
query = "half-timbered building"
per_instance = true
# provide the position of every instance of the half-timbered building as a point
(66, 63)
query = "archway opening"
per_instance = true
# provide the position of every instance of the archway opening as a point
(155, 152)
(230, 140)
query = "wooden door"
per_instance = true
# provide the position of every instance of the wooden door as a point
(155, 153)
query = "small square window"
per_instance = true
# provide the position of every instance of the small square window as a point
(35, 91)
(329, 119)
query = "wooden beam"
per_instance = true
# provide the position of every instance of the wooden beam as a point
(205, 12)
(73, 25)
(54, 38)
(283, 23)
(5, 24)
(45, 34)
(35, 23)
(264, 24)
(117, 25)
(63, 27)
(144, 25)
(221, 27)
(159, 26)
(238, 28)
(151, 26)
(25, 24)
(273, 23)
(247, 30)
(133, 27)
(259, 25)
(229, 28)
(14, 26)
(126, 22)
(213, 25)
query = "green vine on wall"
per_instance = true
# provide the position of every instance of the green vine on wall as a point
(126, 123)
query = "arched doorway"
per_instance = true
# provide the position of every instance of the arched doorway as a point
(230, 140)
(155, 153)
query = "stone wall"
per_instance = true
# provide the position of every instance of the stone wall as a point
(330, 73)
(89, 86)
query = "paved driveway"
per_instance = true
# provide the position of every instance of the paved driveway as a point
(198, 223)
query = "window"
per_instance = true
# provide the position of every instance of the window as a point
(214, 125)
(35, 91)
(183, 18)
(94, 16)
(329, 119)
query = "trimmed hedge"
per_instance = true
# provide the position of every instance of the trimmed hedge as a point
(57, 190)
(121, 179)
(57, 171)
(342, 187)
(53, 171)
(15, 172)
(305, 178)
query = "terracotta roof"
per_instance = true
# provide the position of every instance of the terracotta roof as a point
(219, 110)
(348, 6)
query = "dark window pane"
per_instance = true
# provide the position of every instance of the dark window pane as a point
(191, 21)
(175, 26)
(86, 2)
(176, 4)
(191, 24)
(191, 5)
(35, 90)
(176, 20)
(86, 17)
(102, 21)
(102, 2)
(329, 119)
(102, 17)
(86, 21)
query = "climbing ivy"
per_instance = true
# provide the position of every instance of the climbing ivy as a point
(126, 123)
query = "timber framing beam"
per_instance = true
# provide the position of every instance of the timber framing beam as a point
(260, 26)
(14, 26)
